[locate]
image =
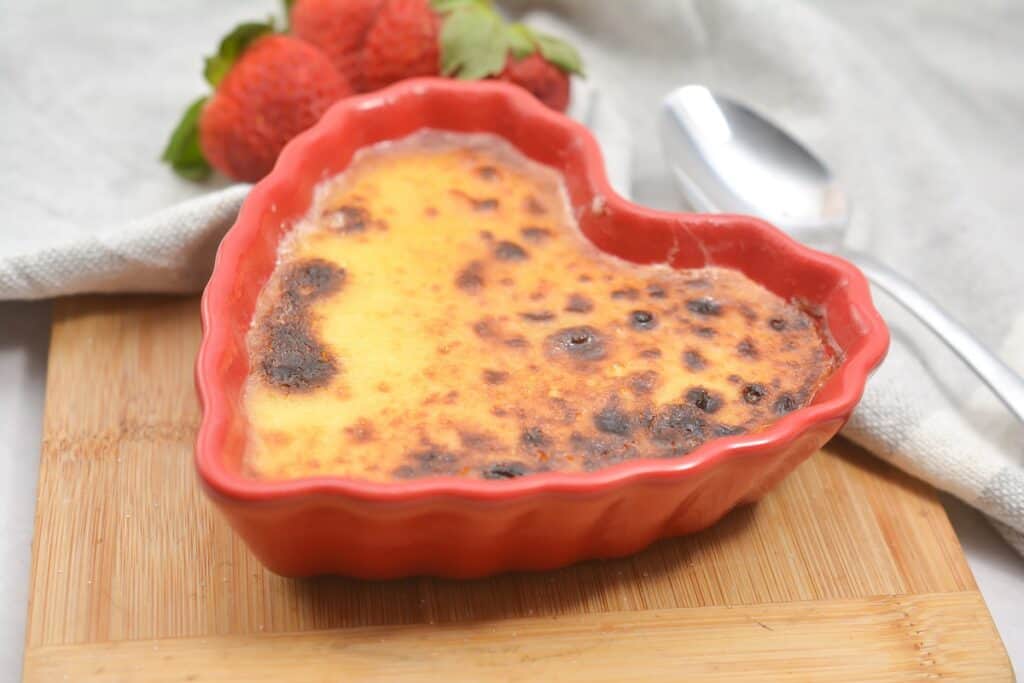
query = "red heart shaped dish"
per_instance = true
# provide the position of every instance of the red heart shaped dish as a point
(436, 341)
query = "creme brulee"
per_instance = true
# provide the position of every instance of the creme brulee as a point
(438, 313)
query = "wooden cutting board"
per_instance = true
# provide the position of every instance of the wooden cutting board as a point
(848, 571)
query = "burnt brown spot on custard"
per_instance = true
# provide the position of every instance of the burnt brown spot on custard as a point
(361, 431)
(582, 342)
(600, 451)
(517, 342)
(478, 441)
(306, 281)
(753, 393)
(656, 291)
(535, 235)
(486, 328)
(777, 324)
(534, 437)
(487, 172)
(504, 470)
(642, 320)
(626, 294)
(785, 404)
(579, 304)
(534, 206)
(727, 430)
(478, 204)
(348, 219)
(564, 410)
(651, 353)
(704, 306)
(643, 383)
(430, 461)
(495, 376)
(435, 461)
(679, 427)
(613, 420)
(537, 316)
(703, 399)
(746, 348)
(291, 357)
(404, 472)
(694, 361)
(509, 251)
(471, 278)
(706, 332)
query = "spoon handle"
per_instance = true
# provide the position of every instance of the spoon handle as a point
(999, 377)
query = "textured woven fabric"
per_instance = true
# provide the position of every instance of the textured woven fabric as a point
(917, 105)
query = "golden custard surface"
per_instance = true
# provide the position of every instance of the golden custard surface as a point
(437, 312)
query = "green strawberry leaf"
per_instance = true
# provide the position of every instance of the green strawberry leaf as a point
(474, 43)
(560, 53)
(182, 151)
(521, 40)
(232, 47)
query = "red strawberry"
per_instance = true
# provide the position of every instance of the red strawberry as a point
(339, 28)
(402, 43)
(477, 43)
(547, 82)
(269, 88)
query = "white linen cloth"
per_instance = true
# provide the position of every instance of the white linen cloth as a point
(917, 104)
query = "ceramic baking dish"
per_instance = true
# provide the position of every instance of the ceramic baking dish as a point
(460, 527)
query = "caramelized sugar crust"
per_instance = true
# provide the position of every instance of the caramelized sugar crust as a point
(438, 313)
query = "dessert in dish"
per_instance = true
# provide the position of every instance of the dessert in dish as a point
(437, 312)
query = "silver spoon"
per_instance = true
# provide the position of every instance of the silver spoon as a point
(727, 158)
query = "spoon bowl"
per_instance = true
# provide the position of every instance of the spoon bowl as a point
(727, 158)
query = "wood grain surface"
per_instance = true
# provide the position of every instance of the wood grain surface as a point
(848, 571)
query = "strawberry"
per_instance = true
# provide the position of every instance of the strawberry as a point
(402, 43)
(339, 28)
(476, 43)
(544, 80)
(269, 88)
